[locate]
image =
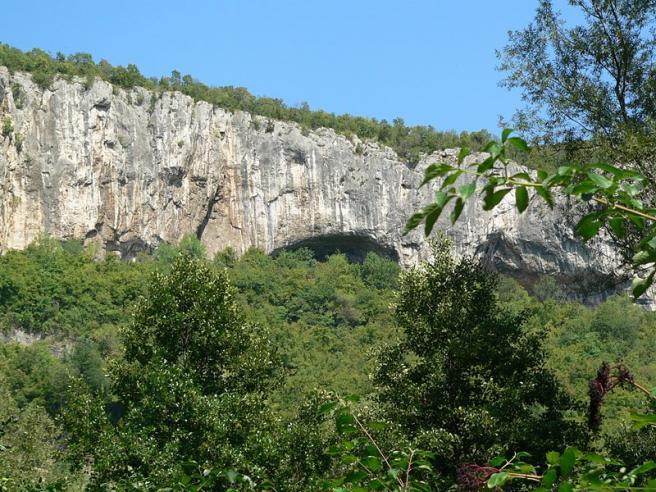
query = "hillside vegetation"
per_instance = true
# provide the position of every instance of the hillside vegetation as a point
(324, 327)
(410, 142)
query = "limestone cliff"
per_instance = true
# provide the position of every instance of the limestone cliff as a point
(130, 169)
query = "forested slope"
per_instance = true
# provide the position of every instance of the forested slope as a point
(326, 322)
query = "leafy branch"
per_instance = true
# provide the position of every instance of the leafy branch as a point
(368, 467)
(616, 193)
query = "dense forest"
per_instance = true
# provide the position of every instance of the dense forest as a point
(410, 142)
(107, 378)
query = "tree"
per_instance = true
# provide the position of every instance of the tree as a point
(593, 79)
(192, 386)
(467, 380)
(29, 445)
(591, 85)
(617, 193)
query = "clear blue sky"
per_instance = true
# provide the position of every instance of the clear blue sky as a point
(427, 61)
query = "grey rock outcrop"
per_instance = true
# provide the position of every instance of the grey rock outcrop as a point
(130, 169)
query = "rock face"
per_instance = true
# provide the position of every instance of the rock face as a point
(130, 169)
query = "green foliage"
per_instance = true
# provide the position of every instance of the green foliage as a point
(589, 80)
(588, 87)
(7, 127)
(191, 319)
(468, 380)
(33, 374)
(364, 465)
(572, 470)
(617, 195)
(379, 273)
(409, 142)
(55, 289)
(191, 386)
(29, 446)
(325, 316)
(144, 422)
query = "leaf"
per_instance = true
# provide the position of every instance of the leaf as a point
(431, 218)
(349, 459)
(617, 225)
(615, 171)
(441, 198)
(524, 468)
(523, 176)
(601, 181)
(652, 243)
(505, 134)
(521, 198)
(638, 221)
(566, 170)
(435, 170)
(464, 152)
(450, 179)
(377, 425)
(327, 407)
(334, 451)
(565, 487)
(231, 475)
(549, 478)
(553, 457)
(492, 198)
(486, 165)
(584, 188)
(493, 148)
(376, 484)
(644, 468)
(644, 257)
(596, 458)
(519, 143)
(555, 180)
(497, 480)
(373, 463)
(413, 222)
(344, 423)
(631, 189)
(546, 195)
(457, 210)
(640, 285)
(466, 190)
(355, 476)
(497, 461)
(588, 226)
(353, 398)
(567, 460)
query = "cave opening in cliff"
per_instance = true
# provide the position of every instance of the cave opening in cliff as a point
(354, 246)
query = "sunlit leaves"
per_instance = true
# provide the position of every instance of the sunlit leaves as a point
(519, 144)
(600, 180)
(615, 192)
(467, 190)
